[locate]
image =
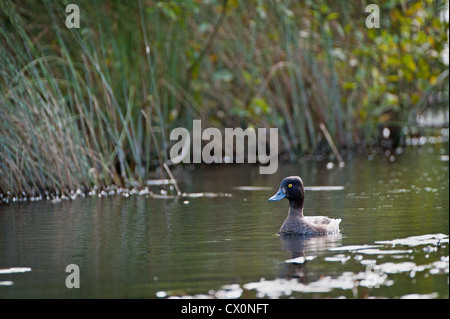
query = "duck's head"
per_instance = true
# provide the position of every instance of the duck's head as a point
(292, 189)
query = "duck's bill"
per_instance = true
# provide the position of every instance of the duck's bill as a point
(277, 196)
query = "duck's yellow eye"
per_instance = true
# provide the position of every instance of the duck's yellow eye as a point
(290, 185)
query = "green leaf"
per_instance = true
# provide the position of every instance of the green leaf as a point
(332, 16)
(408, 62)
(259, 106)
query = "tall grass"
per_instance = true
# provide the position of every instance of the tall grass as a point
(95, 106)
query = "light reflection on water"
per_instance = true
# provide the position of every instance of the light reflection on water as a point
(393, 240)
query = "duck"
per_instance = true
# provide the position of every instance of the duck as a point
(296, 223)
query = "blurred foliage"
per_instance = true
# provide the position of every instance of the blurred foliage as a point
(110, 92)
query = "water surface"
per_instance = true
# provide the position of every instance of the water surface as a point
(393, 241)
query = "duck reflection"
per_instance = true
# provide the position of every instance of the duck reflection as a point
(302, 249)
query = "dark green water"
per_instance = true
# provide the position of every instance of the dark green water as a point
(394, 240)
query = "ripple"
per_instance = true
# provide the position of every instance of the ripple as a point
(417, 240)
(299, 260)
(395, 268)
(375, 251)
(338, 258)
(346, 281)
(6, 283)
(253, 188)
(14, 270)
(324, 188)
(420, 296)
(353, 247)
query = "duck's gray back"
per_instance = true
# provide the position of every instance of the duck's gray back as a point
(310, 225)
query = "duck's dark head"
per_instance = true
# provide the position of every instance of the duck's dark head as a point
(292, 189)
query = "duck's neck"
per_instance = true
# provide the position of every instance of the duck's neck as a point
(296, 209)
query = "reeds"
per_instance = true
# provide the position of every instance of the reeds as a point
(95, 106)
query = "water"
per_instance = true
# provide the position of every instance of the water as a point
(393, 244)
